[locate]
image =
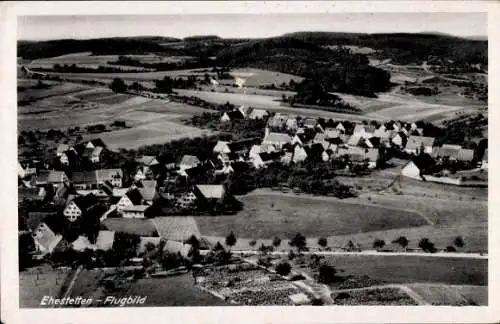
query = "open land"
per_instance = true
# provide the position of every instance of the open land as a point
(38, 282)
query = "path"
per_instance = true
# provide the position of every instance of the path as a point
(72, 282)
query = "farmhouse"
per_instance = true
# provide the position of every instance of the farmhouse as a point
(131, 198)
(45, 239)
(258, 114)
(188, 162)
(419, 144)
(94, 179)
(365, 131)
(416, 167)
(232, 116)
(80, 205)
(56, 178)
(276, 139)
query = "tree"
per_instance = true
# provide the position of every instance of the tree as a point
(283, 268)
(193, 241)
(322, 242)
(26, 246)
(117, 85)
(402, 240)
(218, 247)
(299, 242)
(327, 273)
(378, 244)
(231, 239)
(450, 248)
(125, 245)
(276, 242)
(459, 242)
(426, 245)
(252, 243)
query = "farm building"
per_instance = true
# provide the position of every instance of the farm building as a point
(276, 139)
(45, 239)
(131, 198)
(419, 144)
(56, 178)
(78, 206)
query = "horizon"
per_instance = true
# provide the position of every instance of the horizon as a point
(249, 26)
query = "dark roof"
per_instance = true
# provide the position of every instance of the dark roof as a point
(270, 156)
(85, 202)
(135, 196)
(375, 141)
(97, 142)
(235, 114)
(423, 161)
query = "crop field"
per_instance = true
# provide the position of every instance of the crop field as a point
(178, 228)
(141, 227)
(37, 282)
(374, 297)
(413, 269)
(171, 291)
(265, 216)
(440, 295)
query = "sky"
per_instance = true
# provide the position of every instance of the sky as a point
(247, 25)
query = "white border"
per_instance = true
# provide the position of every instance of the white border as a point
(362, 314)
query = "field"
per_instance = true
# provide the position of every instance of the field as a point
(88, 285)
(440, 295)
(38, 282)
(141, 227)
(178, 228)
(374, 297)
(413, 269)
(265, 216)
(171, 291)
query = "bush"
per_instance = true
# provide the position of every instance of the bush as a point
(252, 243)
(283, 268)
(378, 244)
(426, 245)
(322, 242)
(459, 242)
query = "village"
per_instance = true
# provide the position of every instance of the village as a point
(85, 214)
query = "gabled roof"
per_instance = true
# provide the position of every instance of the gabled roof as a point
(61, 148)
(190, 160)
(97, 142)
(46, 238)
(85, 202)
(415, 142)
(332, 132)
(465, 155)
(258, 113)
(211, 191)
(278, 120)
(423, 161)
(135, 208)
(51, 176)
(97, 151)
(235, 114)
(135, 196)
(276, 138)
(148, 190)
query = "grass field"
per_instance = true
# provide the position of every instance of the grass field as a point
(141, 227)
(171, 291)
(265, 216)
(440, 295)
(37, 282)
(176, 228)
(413, 269)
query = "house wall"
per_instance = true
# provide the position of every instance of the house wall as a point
(72, 212)
(133, 214)
(299, 154)
(123, 202)
(411, 171)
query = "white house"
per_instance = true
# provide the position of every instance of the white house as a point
(222, 147)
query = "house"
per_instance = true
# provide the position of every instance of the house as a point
(45, 239)
(20, 171)
(94, 179)
(31, 193)
(210, 193)
(222, 147)
(340, 127)
(299, 154)
(291, 123)
(309, 123)
(276, 139)
(147, 160)
(135, 211)
(148, 190)
(61, 148)
(92, 144)
(257, 149)
(331, 133)
(231, 116)
(68, 157)
(277, 121)
(79, 205)
(56, 178)
(186, 199)
(258, 114)
(419, 144)
(454, 153)
(399, 139)
(355, 140)
(263, 159)
(484, 160)
(131, 198)
(365, 131)
(188, 162)
(104, 242)
(416, 167)
(304, 138)
(382, 132)
(97, 155)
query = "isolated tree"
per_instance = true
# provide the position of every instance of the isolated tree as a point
(402, 240)
(283, 268)
(459, 242)
(231, 239)
(299, 242)
(252, 243)
(378, 244)
(322, 241)
(276, 242)
(326, 273)
(426, 245)
(117, 85)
